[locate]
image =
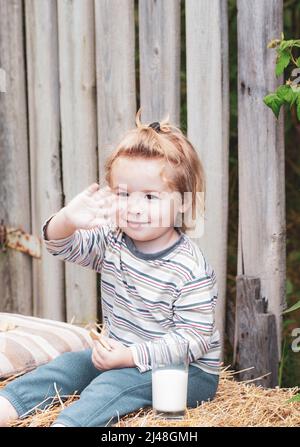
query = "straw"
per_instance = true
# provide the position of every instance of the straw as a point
(237, 404)
(99, 336)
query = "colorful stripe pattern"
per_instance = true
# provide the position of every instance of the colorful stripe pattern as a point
(171, 296)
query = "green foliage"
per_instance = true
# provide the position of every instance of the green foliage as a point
(274, 102)
(289, 93)
(290, 365)
(295, 398)
(294, 307)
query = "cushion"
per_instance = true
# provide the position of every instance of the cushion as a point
(27, 342)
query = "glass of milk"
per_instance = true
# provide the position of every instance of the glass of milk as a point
(169, 361)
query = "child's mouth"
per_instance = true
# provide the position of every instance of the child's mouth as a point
(134, 224)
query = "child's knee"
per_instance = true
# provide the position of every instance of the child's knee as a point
(72, 359)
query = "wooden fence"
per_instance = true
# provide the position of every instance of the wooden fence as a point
(71, 93)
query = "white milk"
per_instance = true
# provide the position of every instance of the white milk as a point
(169, 390)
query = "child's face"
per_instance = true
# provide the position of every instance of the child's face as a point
(146, 206)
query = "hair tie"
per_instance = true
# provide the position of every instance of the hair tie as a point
(155, 125)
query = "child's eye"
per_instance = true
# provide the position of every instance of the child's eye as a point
(125, 194)
(151, 195)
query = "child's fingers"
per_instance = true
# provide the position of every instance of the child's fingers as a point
(91, 189)
(105, 203)
(103, 210)
(103, 193)
(105, 342)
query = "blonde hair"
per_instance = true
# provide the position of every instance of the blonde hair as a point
(170, 144)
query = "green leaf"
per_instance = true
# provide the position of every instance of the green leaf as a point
(283, 60)
(294, 97)
(274, 103)
(286, 94)
(294, 399)
(294, 307)
(298, 61)
(289, 44)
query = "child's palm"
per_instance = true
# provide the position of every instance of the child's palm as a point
(90, 208)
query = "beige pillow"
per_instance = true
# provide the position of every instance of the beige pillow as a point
(27, 342)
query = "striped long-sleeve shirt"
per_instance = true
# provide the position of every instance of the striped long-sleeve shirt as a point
(170, 294)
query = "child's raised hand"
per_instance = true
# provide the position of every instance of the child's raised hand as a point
(91, 208)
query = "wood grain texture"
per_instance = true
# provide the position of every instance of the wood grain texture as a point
(77, 74)
(159, 49)
(45, 163)
(208, 126)
(262, 231)
(15, 267)
(115, 68)
(256, 337)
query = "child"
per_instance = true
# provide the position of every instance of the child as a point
(155, 283)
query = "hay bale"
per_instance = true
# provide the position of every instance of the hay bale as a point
(237, 404)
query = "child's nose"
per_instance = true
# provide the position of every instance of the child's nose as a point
(135, 205)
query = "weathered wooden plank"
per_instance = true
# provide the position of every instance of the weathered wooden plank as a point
(15, 267)
(230, 321)
(159, 45)
(261, 245)
(79, 134)
(115, 62)
(256, 338)
(45, 164)
(208, 126)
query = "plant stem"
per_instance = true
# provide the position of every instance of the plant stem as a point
(280, 372)
(292, 57)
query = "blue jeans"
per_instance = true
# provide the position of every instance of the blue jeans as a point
(105, 396)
